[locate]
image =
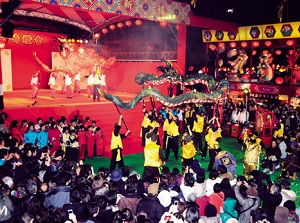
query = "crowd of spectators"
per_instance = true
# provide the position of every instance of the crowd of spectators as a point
(45, 184)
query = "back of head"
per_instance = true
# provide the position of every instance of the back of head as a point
(213, 174)
(192, 215)
(210, 210)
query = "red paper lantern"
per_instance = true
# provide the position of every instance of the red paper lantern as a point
(221, 45)
(268, 43)
(279, 80)
(128, 23)
(138, 22)
(232, 44)
(97, 35)
(244, 44)
(212, 47)
(204, 70)
(255, 44)
(120, 25)
(290, 42)
(163, 23)
(104, 31)
(265, 52)
(112, 27)
(278, 52)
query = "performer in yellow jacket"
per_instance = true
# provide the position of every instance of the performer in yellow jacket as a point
(172, 136)
(252, 154)
(189, 151)
(145, 124)
(198, 131)
(212, 139)
(153, 158)
(116, 146)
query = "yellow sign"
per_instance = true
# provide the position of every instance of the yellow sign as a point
(259, 32)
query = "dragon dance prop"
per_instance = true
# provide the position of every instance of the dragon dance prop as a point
(216, 92)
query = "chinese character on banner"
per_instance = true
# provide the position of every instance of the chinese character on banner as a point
(128, 4)
(26, 39)
(38, 40)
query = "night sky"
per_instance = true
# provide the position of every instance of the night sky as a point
(248, 12)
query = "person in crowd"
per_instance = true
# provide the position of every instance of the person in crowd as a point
(290, 165)
(99, 141)
(54, 137)
(151, 204)
(90, 141)
(249, 203)
(30, 135)
(116, 145)
(270, 161)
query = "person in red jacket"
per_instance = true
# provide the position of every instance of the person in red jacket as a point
(15, 132)
(90, 141)
(82, 143)
(99, 141)
(54, 137)
(23, 128)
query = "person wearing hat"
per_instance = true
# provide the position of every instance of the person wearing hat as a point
(189, 151)
(249, 203)
(154, 157)
(116, 146)
(151, 204)
(252, 154)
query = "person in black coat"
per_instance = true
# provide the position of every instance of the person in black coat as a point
(269, 194)
(151, 204)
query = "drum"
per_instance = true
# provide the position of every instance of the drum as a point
(235, 130)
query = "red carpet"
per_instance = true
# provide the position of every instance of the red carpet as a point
(19, 105)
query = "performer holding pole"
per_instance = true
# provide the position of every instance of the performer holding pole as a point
(116, 145)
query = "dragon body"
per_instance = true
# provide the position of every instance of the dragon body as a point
(216, 92)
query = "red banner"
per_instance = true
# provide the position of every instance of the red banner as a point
(264, 89)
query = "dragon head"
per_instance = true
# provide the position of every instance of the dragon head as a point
(224, 85)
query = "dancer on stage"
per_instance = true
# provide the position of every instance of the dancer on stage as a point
(69, 86)
(103, 83)
(35, 84)
(97, 83)
(52, 84)
(90, 83)
(116, 146)
(77, 83)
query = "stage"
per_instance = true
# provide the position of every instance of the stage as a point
(19, 105)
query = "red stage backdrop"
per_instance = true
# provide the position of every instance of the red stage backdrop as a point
(120, 77)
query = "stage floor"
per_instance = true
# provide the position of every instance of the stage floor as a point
(23, 98)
